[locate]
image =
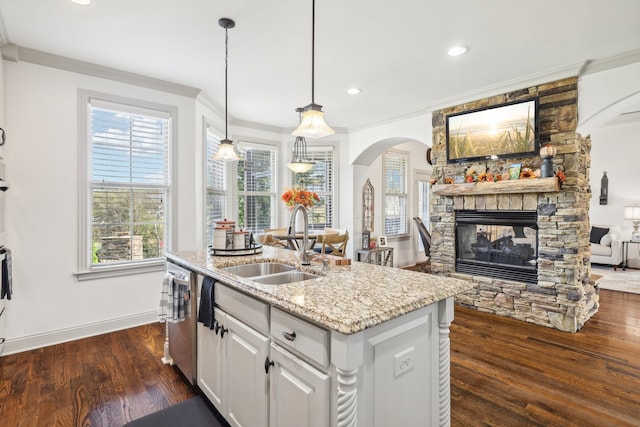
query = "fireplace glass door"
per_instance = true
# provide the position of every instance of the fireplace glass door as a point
(499, 244)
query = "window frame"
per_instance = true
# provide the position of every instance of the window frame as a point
(334, 182)
(208, 127)
(404, 156)
(242, 146)
(86, 270)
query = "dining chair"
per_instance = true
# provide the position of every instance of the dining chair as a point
(334, 244)
(270, 238)
(424, 235)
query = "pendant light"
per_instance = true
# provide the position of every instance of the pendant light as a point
(312, 124)
(225, 150)
(300, 162)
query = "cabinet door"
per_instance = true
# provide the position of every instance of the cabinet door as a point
(300, 394)
(211, 360)
(247, 392)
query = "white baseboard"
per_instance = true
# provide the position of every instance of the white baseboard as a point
(31, 342)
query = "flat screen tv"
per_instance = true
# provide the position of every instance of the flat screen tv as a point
(500, 131)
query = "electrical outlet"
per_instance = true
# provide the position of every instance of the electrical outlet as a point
(404, 361)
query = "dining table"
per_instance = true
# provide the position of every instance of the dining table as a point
(314, 237)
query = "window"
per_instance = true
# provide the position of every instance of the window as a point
(216, 184)
(423, 189)
(257, 186)
(127, 183)
(395, 194)
(321, 180)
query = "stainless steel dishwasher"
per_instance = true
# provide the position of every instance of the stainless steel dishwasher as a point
(182, 335)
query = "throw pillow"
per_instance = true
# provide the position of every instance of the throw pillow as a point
(606, 240)
(597, 234)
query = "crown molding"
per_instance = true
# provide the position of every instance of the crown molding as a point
(18, 53)
(598, 65)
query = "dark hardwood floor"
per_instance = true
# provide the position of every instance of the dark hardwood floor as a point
(107, 380)
(503, 373)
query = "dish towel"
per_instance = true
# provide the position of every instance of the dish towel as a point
(205, 312)
(174, 300)
(7, 286)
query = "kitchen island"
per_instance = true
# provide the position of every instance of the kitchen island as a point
(360, 345)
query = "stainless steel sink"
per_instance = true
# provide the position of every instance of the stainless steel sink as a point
(270, 273)
(258, 269)
(284, 278)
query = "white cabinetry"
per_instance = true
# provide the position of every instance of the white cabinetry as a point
(300, 393)
(231, 360)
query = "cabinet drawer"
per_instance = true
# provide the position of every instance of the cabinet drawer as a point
(296, 334)
(243, 307)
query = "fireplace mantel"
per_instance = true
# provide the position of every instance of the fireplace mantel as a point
(538, 185)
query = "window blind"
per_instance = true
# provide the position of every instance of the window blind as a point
(321, 180)
(257, 186)
(216, 204)
(396, 197)
(129, 182)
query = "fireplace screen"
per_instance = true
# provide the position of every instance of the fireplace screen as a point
(500, 244)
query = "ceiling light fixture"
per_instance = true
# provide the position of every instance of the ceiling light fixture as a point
(300, 163)
(353, 91)
(313, 124)
(81, 2)
(225, 150)
(457, 50)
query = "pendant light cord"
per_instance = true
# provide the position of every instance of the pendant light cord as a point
(226, 66)
(313, 50)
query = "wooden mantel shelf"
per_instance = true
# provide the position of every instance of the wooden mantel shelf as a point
(539, 185)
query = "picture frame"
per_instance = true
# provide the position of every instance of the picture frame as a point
(382, 241)
(514, 171)
(366, 239)
(495, 132)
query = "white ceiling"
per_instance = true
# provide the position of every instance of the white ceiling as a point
(395, 51)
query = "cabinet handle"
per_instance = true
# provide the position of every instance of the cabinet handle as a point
(223, 331)
(217, 326)
(289, 335)
(267, 364)
(3, 137)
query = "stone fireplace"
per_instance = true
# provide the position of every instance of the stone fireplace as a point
(533, 266)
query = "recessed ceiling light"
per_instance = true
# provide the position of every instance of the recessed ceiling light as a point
(353, 91)
(457, 50)
(82, 2)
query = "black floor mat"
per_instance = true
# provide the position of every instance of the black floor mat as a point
(192, 413)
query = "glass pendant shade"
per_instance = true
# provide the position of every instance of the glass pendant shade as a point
(226, 151)
(300, 167)
(313, 124)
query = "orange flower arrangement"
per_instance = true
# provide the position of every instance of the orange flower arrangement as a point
(527, 173)
(300, 196)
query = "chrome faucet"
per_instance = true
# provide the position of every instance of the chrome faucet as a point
(302, 249)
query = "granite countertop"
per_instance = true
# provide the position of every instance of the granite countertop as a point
(346, 299)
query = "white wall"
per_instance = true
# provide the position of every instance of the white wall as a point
(49, 304)
(615, 149)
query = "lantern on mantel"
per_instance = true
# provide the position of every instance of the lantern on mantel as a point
(547, 152)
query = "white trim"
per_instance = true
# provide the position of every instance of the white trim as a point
(116, 270)
(45, 339)
(19, 53)
(85, 271)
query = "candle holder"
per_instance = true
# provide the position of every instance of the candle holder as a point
(546, 153)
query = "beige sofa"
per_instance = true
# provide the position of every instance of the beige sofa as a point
(606, 245)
